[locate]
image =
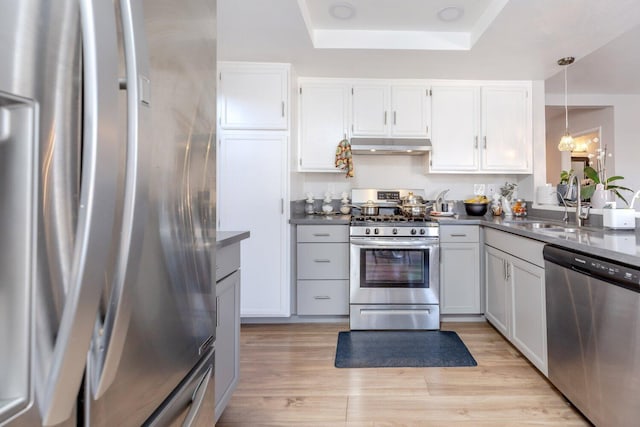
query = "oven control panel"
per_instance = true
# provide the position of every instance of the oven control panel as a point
(372, 231)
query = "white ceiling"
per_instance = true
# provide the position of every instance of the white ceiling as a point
(524, 41)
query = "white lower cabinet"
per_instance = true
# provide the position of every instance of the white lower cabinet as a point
(515, 293)
(322, 270)
(227, 367)
(460, 276)
(252, 189)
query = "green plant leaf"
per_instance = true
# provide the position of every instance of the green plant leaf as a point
(620, 195)
(614, 178)
(592, 174)
(586, 191)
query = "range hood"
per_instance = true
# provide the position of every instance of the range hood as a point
(390, 146)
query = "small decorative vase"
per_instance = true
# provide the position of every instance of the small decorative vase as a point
(601, 196)
(506, 207)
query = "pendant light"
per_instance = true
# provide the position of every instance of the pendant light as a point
(566, 142)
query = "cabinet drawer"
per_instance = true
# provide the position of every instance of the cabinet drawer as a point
(522, 247)
(323, 261)
(459, 233)
(323, 297)
(227, 260)
(323, 233)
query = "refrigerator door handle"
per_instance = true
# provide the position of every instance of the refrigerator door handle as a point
(197, 399)
(58, 394)
(110, 337)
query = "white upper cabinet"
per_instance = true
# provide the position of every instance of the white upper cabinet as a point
(253, 95)
(324, 122)
(390, 110)
(481, 128)
(455, 128)
(410, 111)
(507, 128)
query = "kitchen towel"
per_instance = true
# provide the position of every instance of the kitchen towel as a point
(344, 160)
(402, 349)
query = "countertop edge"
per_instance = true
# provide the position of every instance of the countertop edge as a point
(227, 238)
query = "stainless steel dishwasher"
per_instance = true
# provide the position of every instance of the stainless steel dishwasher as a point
(593, 334)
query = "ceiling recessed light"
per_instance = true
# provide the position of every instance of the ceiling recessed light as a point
(342, 10)
(450, 14)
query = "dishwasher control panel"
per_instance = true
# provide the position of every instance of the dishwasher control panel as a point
(613, 272)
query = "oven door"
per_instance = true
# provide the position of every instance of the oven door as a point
(394, 271)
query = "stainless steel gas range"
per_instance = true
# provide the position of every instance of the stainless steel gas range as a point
(394, 266)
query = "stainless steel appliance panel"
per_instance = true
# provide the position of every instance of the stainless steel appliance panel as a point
(397, 285)
(593, 335)
(169, 291)
(65, 118)
(394, 316)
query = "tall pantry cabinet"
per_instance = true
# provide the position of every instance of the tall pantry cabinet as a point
(253, 168)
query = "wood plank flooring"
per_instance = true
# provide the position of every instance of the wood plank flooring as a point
(288, 378)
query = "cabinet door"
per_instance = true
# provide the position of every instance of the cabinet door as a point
(455, 128)
(254, 96)
(506, 123)
(370, 110)
(497, 304)
(409, 111)
(227, 340)
(252, 177)
(324, 122)
(459, 278)
(528, 322)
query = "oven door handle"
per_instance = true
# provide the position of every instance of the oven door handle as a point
(367, 243)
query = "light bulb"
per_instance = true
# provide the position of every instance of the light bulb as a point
(566, 143)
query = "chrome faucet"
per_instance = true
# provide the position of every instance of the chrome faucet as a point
(580, 216)
(565, 218)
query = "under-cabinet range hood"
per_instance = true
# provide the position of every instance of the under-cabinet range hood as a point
(390, 146)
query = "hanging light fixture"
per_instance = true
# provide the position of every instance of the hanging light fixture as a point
(566, 142)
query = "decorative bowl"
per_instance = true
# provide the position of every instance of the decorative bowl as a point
(476, 209)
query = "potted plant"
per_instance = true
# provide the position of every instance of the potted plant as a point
(563, 186)
(599, 184)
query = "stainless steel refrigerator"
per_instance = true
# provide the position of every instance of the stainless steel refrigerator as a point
(107, 212)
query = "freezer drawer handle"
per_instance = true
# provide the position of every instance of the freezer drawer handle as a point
(206, 345)
(197, 399)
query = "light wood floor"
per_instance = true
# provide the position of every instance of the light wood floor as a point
(288, 378)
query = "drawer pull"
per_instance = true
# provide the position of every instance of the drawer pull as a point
(458, 235)
(322, 297)
(321, 234)
(321, 260)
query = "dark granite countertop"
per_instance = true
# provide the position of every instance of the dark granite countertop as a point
(226, 238)
(319, 219)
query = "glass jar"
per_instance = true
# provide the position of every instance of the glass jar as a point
(496, 206)
(519, 207)
(308, 208)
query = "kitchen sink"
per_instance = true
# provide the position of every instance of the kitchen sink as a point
(540, 225)
(544, 227)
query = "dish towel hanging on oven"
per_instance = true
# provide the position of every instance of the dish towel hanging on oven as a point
(344, 160)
